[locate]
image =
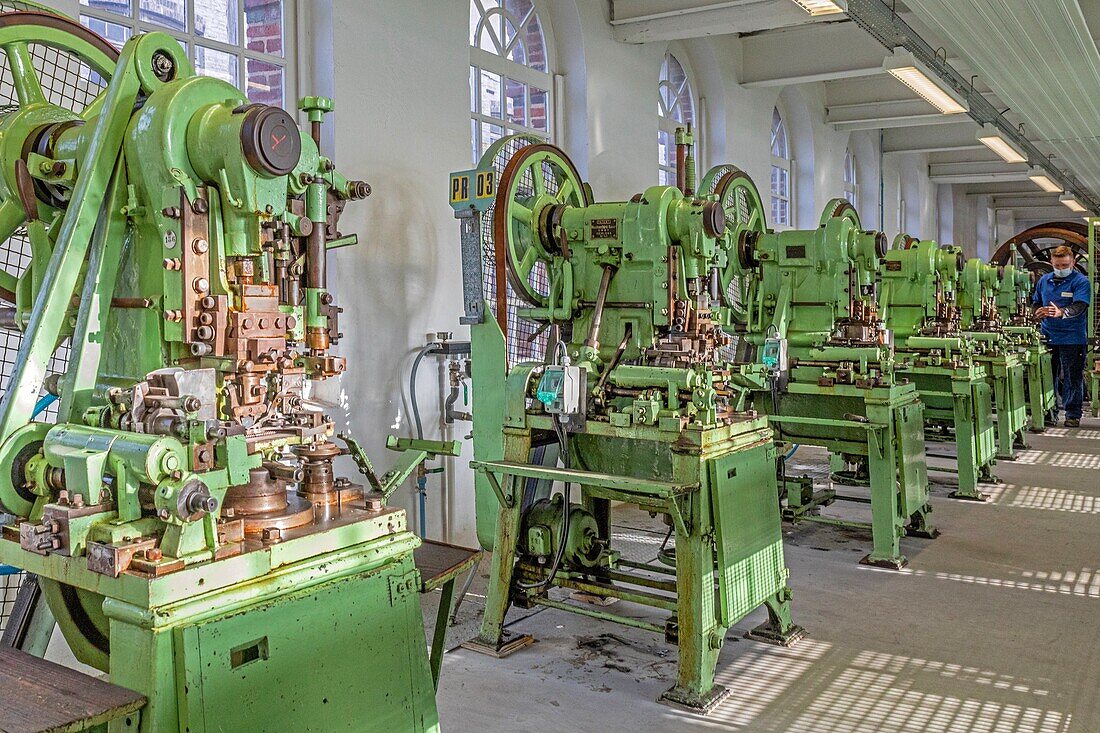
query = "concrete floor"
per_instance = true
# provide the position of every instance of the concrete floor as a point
(993, 628)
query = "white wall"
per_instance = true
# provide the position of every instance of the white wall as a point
(398, 71)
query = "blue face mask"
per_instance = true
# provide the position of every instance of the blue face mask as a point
(1058, 272)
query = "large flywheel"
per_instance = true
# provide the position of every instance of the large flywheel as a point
(52, 72)
(1034, 245)
(514, 261)
(745, 220)
(535, 178)
(53, 75)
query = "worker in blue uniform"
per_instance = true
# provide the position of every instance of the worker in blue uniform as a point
(1062, 299)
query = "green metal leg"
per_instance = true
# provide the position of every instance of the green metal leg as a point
(440, 635)
(698, 633)
(886, 523)
(967, 450)
(1035, 401)
(1005, 437)
(493, 640)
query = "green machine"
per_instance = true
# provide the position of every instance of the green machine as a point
(807, 312)
(919, 303)
(1006, 361)
(637, 399)
(183, 515)
(1013, 298)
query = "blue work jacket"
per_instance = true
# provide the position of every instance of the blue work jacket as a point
(1062, 292)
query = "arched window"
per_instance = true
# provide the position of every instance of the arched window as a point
(511, 87)
(781, 172)
(851, 185)
(675, 108)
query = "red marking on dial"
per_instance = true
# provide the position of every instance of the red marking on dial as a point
(276, 140)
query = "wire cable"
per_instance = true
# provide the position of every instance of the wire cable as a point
(427, 349)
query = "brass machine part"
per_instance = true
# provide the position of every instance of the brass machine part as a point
(265, 503)
(319, 484)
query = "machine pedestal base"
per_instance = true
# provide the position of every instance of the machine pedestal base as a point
(979, 497)
(768, 634)
(701, 704)
(928, 534)
(888, 563)
(509, 645)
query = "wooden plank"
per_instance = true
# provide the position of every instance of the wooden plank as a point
(37, 696)
(439, 562)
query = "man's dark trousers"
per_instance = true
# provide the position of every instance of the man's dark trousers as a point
(1069, 377)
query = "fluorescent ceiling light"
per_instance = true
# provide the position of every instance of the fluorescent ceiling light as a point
(1043, 181)
(991, 137)
(823, 7)
(904, 67)
(1071, 203)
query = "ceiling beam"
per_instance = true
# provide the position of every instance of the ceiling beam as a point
(976, 172)
(887, 114)
(645, 21)
(1038, 201)
(1043, 213)
(810, 53)
(931, 139)
(999, 189)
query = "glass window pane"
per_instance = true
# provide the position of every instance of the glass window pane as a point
(168, 13)
(780, 181)
(263, 82)
(489, 135)
(116, 33)
(217, 19)
(219, 64)
(491, 94)
(473, 89)
(122, 7)
(263, 26)
(666, 148)
(474, 149)
(666, 178)
(540, 110)
(517, 101)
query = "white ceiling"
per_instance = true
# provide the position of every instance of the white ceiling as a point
(1042, 60)
(1036, 58)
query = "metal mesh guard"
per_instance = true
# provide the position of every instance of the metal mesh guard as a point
(526, 340)
(10, 580)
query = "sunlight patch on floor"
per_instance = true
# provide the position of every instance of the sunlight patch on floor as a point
(1042, 497)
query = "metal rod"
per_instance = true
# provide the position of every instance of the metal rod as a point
(593, 340)
(592, 613)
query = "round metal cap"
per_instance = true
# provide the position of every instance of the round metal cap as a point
(270, 140)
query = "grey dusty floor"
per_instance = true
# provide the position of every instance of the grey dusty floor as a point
(993, 628)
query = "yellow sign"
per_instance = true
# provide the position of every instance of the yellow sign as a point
(472, 186)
